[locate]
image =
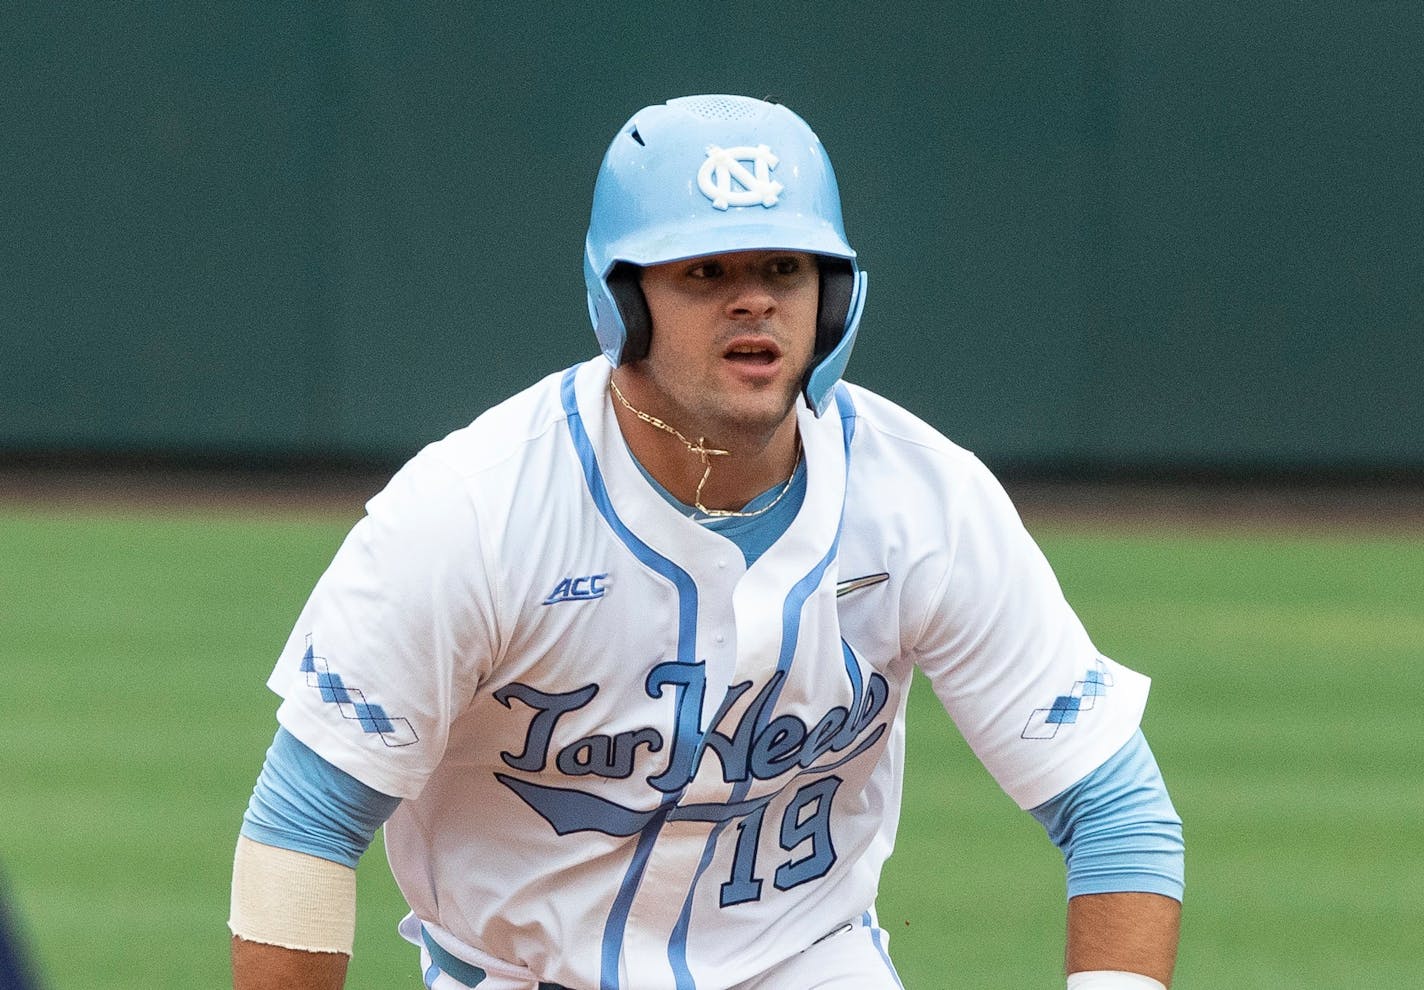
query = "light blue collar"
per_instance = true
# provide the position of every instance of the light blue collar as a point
(753, 535)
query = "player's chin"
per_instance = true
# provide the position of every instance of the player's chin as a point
(768, 389)
(764, 410)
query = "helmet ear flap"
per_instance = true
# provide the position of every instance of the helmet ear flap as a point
(841, 303)
(837, 286)
(625, 286)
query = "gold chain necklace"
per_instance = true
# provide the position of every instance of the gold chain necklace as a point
(706, 453)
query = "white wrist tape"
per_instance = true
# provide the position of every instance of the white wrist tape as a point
(286, 898)
(1111, 979)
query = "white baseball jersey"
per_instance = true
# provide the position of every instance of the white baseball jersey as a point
(629, 761)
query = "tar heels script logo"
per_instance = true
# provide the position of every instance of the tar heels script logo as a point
(757, 746)
(739, 177)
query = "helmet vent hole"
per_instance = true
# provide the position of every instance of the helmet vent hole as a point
(637, 137)
(722, 107)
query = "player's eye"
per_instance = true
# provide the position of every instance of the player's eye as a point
(708, 269)
(785, 266)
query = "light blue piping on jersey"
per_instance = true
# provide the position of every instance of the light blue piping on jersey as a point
(686, 653)
(790, 630)
(879, 943)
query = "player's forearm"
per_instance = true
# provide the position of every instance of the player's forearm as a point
(1136, 933)
(256, 966)
(293, 919)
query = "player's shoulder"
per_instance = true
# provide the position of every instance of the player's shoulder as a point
(900, 459)
(882, 422)
(503, 432)
(443, 480)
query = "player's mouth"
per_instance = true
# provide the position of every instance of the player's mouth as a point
(752, 354)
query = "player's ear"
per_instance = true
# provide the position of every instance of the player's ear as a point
(625, 285)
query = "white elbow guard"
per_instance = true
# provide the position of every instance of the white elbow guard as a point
(1111, 979)
(286, 898)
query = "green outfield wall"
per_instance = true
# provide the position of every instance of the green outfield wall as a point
(1103, 235)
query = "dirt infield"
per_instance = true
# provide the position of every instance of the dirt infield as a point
(1212, 504)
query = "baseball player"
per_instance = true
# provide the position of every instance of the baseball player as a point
(622, 666)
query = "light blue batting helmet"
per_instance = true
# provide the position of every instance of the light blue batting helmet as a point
(708, 174)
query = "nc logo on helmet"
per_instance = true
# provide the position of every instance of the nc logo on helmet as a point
(739, 177)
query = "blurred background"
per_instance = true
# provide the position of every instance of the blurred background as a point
(1154, 262)
(1102, 237)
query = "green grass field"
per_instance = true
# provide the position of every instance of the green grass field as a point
(1286, 714)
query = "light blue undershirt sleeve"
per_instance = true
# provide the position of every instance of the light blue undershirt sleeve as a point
(1117, 828)
(751, 534)
(303, 803)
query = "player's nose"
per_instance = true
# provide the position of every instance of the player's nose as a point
(750, 299)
